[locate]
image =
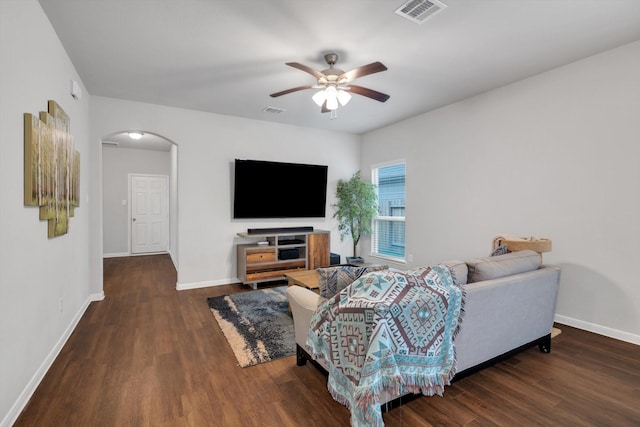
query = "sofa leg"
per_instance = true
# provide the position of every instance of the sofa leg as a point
(301, 356)
(545, 344)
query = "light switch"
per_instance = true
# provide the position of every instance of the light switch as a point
(124, 202)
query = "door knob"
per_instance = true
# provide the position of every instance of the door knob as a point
(134, 219)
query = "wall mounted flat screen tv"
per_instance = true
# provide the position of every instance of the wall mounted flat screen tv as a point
(264, 189)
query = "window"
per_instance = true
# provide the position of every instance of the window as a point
(387, 237)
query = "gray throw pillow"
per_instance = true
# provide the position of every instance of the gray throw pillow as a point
(500, 250)
(458, 270)
(502, 265)
(327, 281)
(331, 280)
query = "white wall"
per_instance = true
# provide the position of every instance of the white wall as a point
(36, 272)
(554, 156)
(118, 163)
(207, 146)
(173, 206)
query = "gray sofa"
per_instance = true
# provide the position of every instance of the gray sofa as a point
(509, 306)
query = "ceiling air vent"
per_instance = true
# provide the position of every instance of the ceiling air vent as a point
(273, 110)
(419, 11)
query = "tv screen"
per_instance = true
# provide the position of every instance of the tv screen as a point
(264, 189)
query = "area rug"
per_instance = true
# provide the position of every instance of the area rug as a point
(257, 324)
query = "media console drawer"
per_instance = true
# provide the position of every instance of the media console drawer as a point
(261, 255)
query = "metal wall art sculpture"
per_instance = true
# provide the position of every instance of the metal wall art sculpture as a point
(51, 168)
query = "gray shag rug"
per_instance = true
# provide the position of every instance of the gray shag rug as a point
(257, 324)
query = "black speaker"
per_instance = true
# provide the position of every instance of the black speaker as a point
(288, 254)
(334, 259)
(303, 229)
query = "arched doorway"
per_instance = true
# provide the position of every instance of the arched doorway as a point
(148, 157)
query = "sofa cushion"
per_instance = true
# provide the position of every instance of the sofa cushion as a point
(488, 268)
(458, 270)
(332, 280)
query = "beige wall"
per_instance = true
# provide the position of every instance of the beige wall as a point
(556, 156)
(36, 273)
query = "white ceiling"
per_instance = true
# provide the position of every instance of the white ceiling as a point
(226, 56)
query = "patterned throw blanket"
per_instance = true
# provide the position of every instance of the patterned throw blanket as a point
(389, 331)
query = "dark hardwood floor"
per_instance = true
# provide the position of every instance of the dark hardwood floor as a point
(149, 355)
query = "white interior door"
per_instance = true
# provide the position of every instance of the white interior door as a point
(149, 214)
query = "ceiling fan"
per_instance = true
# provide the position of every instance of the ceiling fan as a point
(335, 84)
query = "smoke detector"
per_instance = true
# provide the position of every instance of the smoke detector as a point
(419, 11)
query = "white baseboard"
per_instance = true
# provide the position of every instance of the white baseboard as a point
(197, 285)
(598, 329)
(96, 297)
(28, 391)
(127, 254)
(116, 255)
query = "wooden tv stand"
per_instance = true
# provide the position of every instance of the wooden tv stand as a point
(283, 253)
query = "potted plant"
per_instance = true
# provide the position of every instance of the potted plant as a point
(356, 207)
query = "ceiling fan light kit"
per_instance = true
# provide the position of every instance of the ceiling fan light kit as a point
(334, 84)
(319, 97)
(344, 97)
(332, 97)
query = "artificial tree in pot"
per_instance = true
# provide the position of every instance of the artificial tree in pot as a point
(356, 207)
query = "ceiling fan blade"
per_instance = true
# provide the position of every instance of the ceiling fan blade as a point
(293, 89)
(365, 70)
(302, 67)
(369, 93)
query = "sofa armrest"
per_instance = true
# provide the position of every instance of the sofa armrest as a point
(506, 313)
(303, 303)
